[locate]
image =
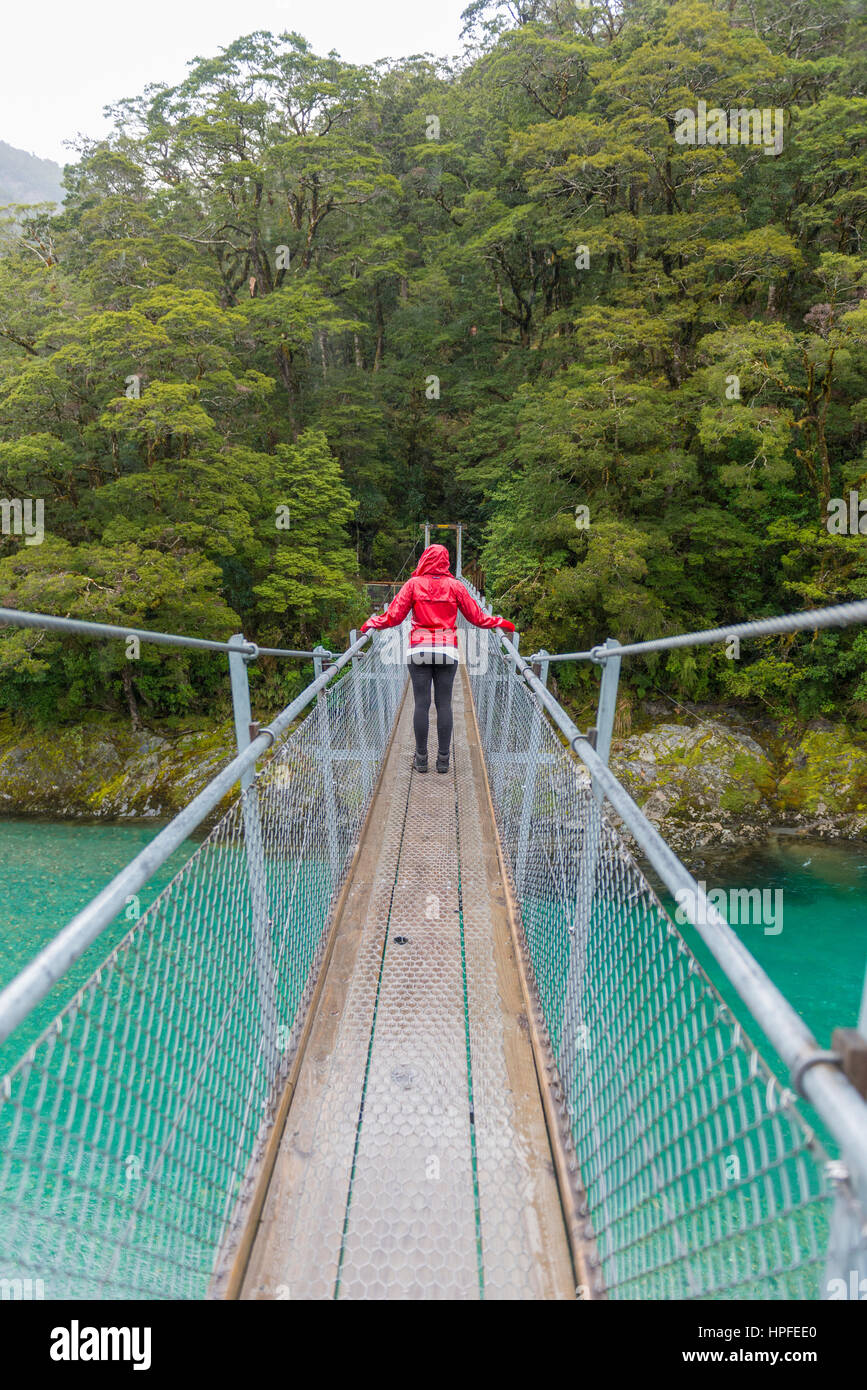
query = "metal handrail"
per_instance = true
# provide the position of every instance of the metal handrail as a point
(17, 617)
(841, 615)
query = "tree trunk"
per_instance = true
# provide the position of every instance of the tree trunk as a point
(135, 718)
(380, 336)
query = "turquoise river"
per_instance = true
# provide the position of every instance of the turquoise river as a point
(817, 958)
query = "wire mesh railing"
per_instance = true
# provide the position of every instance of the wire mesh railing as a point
(700, 1177)
(131, 1131)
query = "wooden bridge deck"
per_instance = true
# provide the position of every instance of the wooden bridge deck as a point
(415, 1160)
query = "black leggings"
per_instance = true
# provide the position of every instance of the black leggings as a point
(442, 677)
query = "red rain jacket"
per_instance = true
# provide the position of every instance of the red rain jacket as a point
(434, 595)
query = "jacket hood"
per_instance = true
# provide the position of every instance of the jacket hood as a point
(434, 560)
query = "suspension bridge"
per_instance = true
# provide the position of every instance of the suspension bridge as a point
(395, 1036)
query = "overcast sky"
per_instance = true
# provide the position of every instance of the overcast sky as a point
(63, 62)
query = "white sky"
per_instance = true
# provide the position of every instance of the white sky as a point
(63, 60)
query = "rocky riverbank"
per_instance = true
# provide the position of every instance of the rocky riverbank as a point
(711, 781)
(103, 770)
(707, 783)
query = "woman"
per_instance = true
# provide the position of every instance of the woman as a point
(434, 595)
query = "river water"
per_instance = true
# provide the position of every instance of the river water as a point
(812, 942)
(813, 946)
(49, 871)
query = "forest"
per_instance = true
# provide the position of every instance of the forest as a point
(293, 307)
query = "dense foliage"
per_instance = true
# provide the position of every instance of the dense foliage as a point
(294, 306)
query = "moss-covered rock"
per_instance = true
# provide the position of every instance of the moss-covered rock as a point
(826, 772)
(103, 769)
(823, 783)
(714, 785)
(700, 785)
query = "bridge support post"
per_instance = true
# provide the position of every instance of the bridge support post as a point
(846, 1260)
(531, 782)
(392, 649)
(426, 534)
(458, 550)
(379, 697)
(575, 1037)
(500, 771)
(255, 853)
(327, 764)
(607, 707)
(360, 721)
(489, 713)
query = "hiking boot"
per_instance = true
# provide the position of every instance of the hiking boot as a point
(420, 762)
(442, 762)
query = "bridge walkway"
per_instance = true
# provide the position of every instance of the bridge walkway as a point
(415, 1160)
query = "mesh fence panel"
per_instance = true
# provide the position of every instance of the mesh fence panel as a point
(700, 1177)
(131, 1130)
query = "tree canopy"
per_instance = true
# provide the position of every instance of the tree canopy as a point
(293, 306)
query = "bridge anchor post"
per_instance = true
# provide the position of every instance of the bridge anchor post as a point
(528, 804)
(360, 721)
(575, 1037)
(846, 1260)
(255, 852)
(327, 764)
(607, 707)
(506, 731)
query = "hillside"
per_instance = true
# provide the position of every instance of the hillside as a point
(25, 178)
(600, 293)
